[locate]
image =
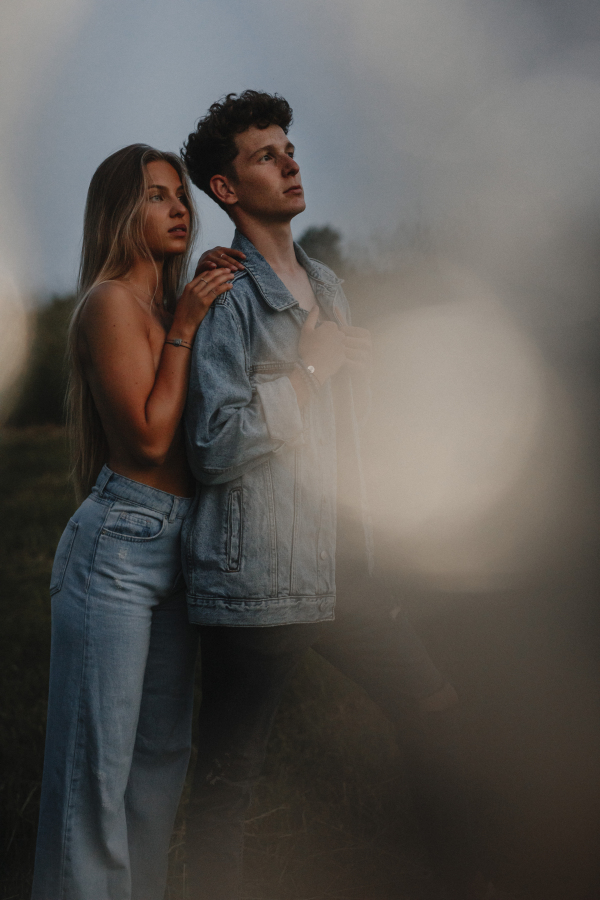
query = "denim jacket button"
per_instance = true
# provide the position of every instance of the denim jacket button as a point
(324, 554)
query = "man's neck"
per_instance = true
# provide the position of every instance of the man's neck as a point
(274, 241)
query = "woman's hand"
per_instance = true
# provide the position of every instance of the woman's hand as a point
(219, 258)
(196, 300)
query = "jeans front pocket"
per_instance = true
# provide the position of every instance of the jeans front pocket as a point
(133, 523)
(234, 530)
(63, 553)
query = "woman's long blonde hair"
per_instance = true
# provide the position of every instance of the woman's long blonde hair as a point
(113, 237)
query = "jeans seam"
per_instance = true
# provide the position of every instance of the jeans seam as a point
(76, 744)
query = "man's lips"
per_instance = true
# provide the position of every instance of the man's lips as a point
(295, 189)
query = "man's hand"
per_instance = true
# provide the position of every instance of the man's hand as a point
(359, 350)
(220, 258)
(324, 347)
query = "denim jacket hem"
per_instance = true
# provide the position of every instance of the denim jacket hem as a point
(262, 612)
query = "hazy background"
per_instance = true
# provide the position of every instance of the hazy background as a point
(470, 111)
(453, 148)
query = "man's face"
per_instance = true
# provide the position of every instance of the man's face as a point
(267, 182)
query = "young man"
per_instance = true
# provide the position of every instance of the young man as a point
(278, 388)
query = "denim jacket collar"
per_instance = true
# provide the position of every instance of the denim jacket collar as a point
(273, 290)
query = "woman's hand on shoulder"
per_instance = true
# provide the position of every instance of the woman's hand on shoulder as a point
(219, 258)
(196, 299)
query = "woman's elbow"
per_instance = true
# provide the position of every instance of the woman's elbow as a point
(151, 455)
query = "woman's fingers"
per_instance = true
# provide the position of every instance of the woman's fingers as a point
(198, 296)
(215, 283)
(207, 278)
(221, 257)
(234, 256)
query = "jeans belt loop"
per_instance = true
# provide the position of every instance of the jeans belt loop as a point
(174, 507)
(103, 479)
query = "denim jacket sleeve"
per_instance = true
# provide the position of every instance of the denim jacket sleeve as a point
(231, 426)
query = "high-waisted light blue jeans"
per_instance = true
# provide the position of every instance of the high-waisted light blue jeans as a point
(120, 706)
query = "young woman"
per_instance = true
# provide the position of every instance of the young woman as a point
(118, 735)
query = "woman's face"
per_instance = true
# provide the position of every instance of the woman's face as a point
(167, 222)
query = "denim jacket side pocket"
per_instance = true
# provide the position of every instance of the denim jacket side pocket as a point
(63, 553)
(234, 530)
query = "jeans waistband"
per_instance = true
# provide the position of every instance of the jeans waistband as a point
(109, 484)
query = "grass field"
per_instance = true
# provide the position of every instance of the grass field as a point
(330, 818)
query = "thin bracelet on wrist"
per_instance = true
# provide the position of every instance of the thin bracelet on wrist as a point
(178, 342)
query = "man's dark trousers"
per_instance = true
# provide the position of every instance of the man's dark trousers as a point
(244, 673)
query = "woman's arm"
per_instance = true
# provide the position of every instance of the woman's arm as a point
(139, 383)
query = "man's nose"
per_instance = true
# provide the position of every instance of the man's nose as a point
(291, 166)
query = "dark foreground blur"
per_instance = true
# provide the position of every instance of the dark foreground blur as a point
(331, 818)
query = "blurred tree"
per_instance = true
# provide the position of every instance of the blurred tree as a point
(42, 393)
(324, 243)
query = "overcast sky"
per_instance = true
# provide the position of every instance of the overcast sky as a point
(476, 119)
(404, 109)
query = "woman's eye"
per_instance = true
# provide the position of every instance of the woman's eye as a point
(155, 197)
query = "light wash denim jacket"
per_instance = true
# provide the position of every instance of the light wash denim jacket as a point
(259, 542)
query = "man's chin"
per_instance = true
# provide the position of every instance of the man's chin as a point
(296, 208)
(278, 215)
(285, 215)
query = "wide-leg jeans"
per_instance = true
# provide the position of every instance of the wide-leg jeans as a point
(121, 692)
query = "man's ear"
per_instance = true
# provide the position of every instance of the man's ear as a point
(223, 190)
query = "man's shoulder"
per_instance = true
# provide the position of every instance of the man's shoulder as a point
(241, 295)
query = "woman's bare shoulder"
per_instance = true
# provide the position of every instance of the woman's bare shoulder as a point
(110, 303)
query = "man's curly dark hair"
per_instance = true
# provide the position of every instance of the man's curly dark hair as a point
(211, 149)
